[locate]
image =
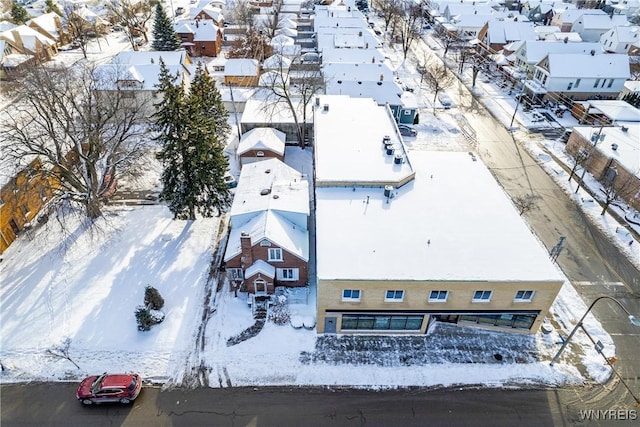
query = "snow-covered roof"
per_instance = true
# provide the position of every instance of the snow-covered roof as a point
(290, 187)
(287, 23)
(382, 92)
(276, 62)
(472, 21)
(281, 40)
(453, 222)
(202, 30)
(140, 57)
(262, 139)
(627, 151)
(261, 110)
(616, 109)
(260, 266)
(506, 31)
(212, 11)
(241, 67)
(335, 71)
(47, 22)
(274, 227)
(572, 37)
(572, 15)
(6, 25)
(603, 22)
(353, 56)
(89, 16)
(147, 75)
(28, 36)
(349, 149)
(273, 79)
(577, 65)
(538, 49)
(289, 32)
(627, 34)
(329, 38)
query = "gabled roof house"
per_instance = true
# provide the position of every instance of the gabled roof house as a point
(268, 244)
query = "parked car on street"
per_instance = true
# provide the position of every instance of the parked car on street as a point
(122, 388)
(406, 130)
(445, 101)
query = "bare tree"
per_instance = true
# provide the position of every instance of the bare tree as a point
(526, 203)
(614, 189)
(253, 44)
(409, 27)
(390, 10)
(450, 39)
(437, 78)
(243, 14)
(293, 88)
(133, 16)
(579, 160)
(79, 29)
(85, 138)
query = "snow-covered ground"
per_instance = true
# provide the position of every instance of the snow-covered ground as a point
(73, 291)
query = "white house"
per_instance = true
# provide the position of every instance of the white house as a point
(592, 27)
(621, 39)
(579, 76)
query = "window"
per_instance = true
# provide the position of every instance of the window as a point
(577, 82)
(610, 83)
(395, 296)
(570, 86)
(260, 154)
(275, 254)
(516, 321)
(596, 83)
(25, 210)
(235, 273)
(265, 243)
(438, 296)
(381, 322)
(522, 296)
(287, 274)
(351, 295)
(482, 296)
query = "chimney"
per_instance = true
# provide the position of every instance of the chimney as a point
(246, 259)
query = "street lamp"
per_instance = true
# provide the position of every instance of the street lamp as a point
(632, 319)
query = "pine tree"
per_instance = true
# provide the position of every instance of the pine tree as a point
(164, 38)
(19, 14)
(192, 129)
(50, 6)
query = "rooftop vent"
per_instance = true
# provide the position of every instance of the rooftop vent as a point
(267, 171)
(398, 159)
(614, 146)
(387, 190)
(389, 148)
(325, 107)
(386, 140)
(265, 191)
(275, 196)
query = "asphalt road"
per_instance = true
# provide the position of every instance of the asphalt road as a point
(56, 406)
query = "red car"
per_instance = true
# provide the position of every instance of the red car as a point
(123, 388)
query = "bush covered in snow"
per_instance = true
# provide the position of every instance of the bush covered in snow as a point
(152, 298)
(143, 317)
(279, 312)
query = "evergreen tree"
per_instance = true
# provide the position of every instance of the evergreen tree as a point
(192, 129)
(50, 6)
(19, 14)
(164, 38)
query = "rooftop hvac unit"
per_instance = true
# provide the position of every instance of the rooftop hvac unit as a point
(397, 159)
(389, 149)
(386, 139)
